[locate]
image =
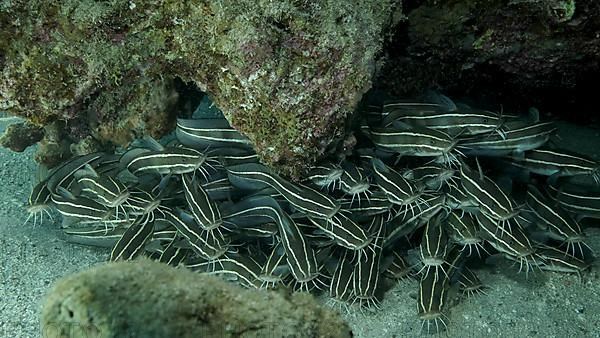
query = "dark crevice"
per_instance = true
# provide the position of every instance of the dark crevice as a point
(189, 98)
(561, 86)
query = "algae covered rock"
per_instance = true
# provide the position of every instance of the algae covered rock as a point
(285, 73)
(291, 87)
(531, 52)
(19, 136)
(143, 298)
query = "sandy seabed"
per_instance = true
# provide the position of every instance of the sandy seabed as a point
(541, 305)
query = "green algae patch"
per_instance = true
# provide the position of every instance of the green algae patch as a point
(143, 298)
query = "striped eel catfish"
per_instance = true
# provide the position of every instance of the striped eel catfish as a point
(431, 300)
(317, 238)
(132, 243)
(492, 201)
(341, 289)
(515, 137)
(232, 156)
(413, 141)
(80, 209)
(254, 230)
(237, 267)
(205, 133)
(344, 231)
(207, 244)
(164, 234)
(469, 284)
(556, 221)
(457, 198)
(94, 236)
(219, 188)
(464, 121)
(204, 202)
(378, 203)
(39, 203)
(303, 198)
(173, 255)
(434, 245)
(556, 162)
(453, 263)
(511, 240)
(433, 177)
(205, 211)
(464, 230)
(354, 182)
(198, 264)
(275, 269)
(326, 175)
(398, 268)
(61, 175)
(389, 107)
(251, 217)
(172, 160)
(142, 202)
(300, 255)
(250, 211)
(365, 276)
(404, 224)
(107, 165)
(552, 259)
(398, 189)
(104, 189)
(582, 201)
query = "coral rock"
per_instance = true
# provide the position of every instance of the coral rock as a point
(285, 73)
(527, 52)
(143, 298)
(19, 136)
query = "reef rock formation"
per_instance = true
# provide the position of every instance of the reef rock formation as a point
(143, 298)
(285, 73)
(20, 135)
(529, 52)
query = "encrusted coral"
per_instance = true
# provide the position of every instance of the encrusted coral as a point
(285, 73)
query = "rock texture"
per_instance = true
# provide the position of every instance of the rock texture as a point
(143, 298)
(520, 52)
(285, 73)
(18, 136)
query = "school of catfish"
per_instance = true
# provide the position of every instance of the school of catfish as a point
(432, 188)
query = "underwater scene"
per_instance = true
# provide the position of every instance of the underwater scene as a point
(254, 168)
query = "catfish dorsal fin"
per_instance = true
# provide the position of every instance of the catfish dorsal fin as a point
(441, 100)
(409, 174)
(41, 173)
(151, 143)
(534, 114)
(65, 193)
(91, 170)
(162, 186)
(479, 168)
(403, 126)
(86, 171)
